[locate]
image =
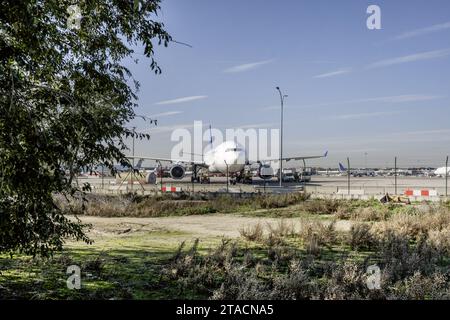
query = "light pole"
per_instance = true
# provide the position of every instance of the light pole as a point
(227, 174)
(281, 135)
(132, 169)
(349, 172)
(446, 178)
(395, 174)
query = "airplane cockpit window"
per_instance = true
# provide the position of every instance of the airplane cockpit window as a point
(233, 149)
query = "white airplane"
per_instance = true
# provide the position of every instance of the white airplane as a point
(356, 172)
(441, 172)
(330, 172)
(229, 157)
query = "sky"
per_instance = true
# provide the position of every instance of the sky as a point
(366, 94)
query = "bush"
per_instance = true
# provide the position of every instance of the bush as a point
(419, 287)
(361, 237)
(440, 240)
(316, 234)
(400, 259)
(252, 233)
(371, 214)
(281, 229)
(321, 206)
(347, 281)
(294, 285)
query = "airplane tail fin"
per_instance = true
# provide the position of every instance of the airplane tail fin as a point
(341, 167)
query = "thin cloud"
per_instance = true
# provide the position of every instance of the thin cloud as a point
(386, 99)
(423, 31)
(165, 114)
(410, 58)
(165, 129)
(353, 116)
(247, 66)
(399, 98)
(332, 74)
(256, 126)
(181, 100)
(399, 137)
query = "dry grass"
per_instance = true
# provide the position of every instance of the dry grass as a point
(321, 206)
(414, 224)
(410, 246)
(315, 235)
(360, 237)
(408, 272)
(371, 214)
(177, 204)
(253, 233)
(281, 229)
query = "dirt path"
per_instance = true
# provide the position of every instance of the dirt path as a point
(215, 225)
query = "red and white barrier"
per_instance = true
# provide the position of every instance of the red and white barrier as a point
(420, 193)
(170, 189)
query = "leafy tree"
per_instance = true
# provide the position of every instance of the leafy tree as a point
(65, 97)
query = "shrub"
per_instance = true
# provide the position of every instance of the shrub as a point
(294, 285)
(281, 229)
(347, 281)
(252, 233)
(361, 237)
(371, 214)
(316, 234)
(440, 240)
(401, 259)
(321, 206)
(420, 287)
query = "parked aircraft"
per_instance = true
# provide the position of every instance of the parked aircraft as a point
(357, 172)
(329, 172)
(228, 157)
(442, 171)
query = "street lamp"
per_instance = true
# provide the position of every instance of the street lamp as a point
(227, 174)
(281, 135)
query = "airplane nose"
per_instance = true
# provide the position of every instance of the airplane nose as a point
(235, 157)
(240, 157)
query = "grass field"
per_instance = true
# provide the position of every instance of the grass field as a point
(284, 247)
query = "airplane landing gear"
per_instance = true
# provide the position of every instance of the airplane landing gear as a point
(195, 177)
(200, 175)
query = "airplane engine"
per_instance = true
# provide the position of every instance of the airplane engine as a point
(177, 172)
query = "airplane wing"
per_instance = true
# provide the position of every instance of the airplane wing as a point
(199, 163)
(297, 158)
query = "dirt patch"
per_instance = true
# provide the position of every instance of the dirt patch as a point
(202, 226)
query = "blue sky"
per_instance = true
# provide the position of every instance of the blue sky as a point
(351, 90)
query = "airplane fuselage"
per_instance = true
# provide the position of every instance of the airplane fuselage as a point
(442, 171)
(229, 155)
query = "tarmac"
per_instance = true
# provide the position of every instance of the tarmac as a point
(336, 186)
